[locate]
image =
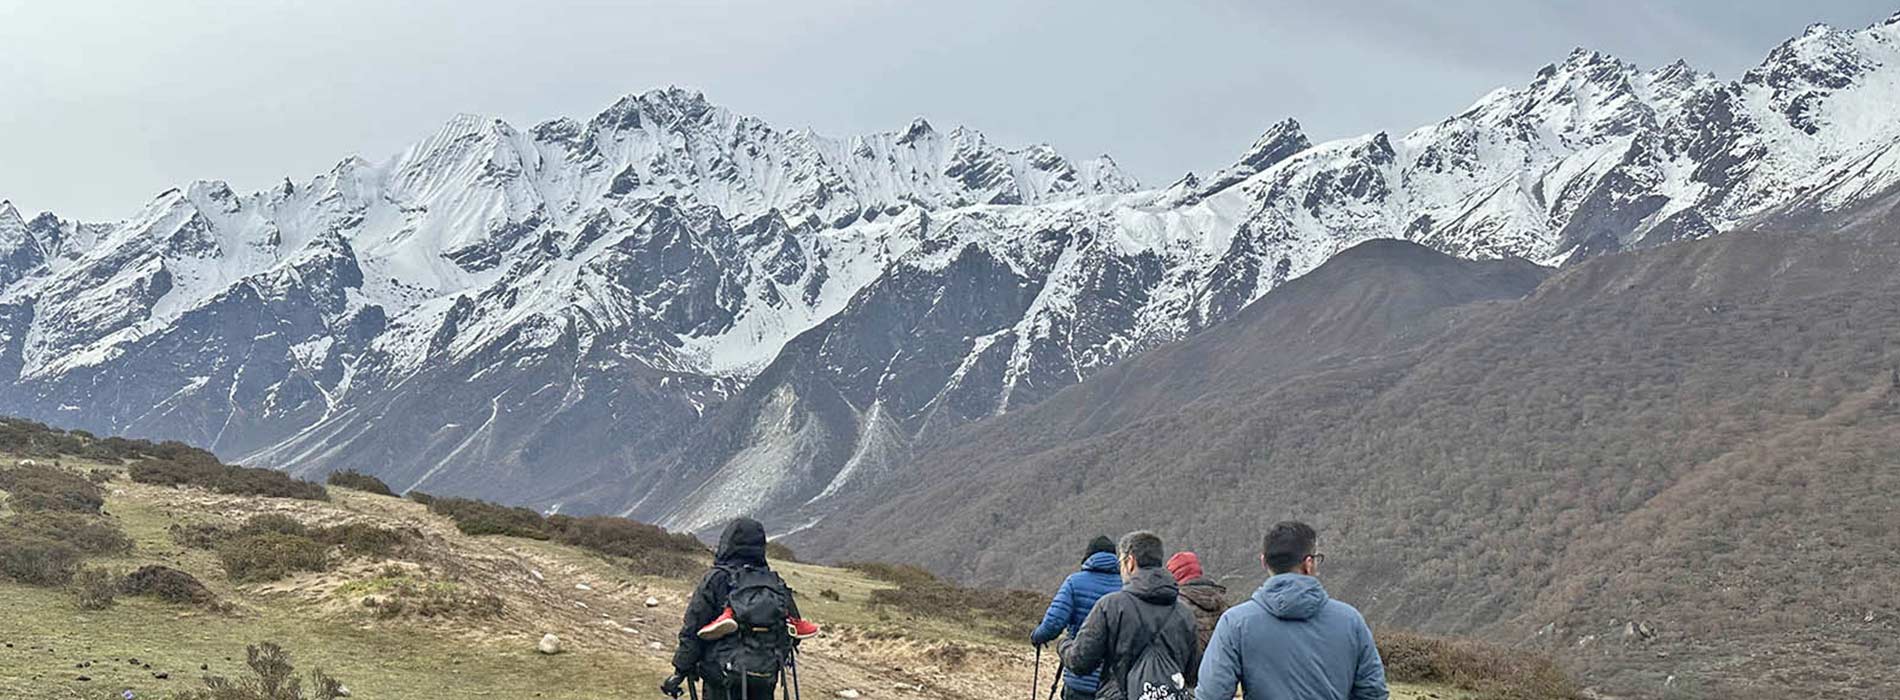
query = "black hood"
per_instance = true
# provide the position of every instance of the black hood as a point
(742, 543)
(1153, 585)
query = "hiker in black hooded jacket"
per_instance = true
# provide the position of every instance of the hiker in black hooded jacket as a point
(742, 544)
(1147, 608)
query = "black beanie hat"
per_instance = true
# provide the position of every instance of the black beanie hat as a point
(1101, 543)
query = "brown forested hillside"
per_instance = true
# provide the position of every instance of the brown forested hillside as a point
(1678, 463)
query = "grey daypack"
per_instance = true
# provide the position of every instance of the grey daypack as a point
(1154, 669)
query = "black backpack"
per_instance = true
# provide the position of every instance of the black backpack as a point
(1153, 673)
(760, 602)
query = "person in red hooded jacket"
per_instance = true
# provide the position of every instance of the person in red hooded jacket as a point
(1205, 597)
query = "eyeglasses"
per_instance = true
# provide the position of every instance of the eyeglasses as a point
(1317, 558)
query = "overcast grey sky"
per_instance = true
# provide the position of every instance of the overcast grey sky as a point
(103, 105)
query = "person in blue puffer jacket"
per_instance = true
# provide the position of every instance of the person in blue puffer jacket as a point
(1100, 576)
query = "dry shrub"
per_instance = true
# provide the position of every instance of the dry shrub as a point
(95, 589)
(777, 551)
(36, 560)
(1493, 671)
(225, 478)
(88, 534)
(198, 535)
(272, 678)
(167, 584)
(408, 597)
(650, 549)
(50, 489)
(1009, 612)
(273, 523)
(830, 595)
(271, 556)
(475, 517)
(353, 479)
(900, 574)
(363, 539)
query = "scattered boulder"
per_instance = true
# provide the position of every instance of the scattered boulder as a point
(849, 694)
(653, 602)
(549, 644)
(583, 587)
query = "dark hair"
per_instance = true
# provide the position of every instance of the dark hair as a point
(1144, 546)
(1101, 543)
(1288, 544)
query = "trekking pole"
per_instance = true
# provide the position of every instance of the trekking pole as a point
(1035, 679)
(692, 688)
(796, 690)
(1057, 680)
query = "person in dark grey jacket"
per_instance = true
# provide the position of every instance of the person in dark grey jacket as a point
(1291, 640)
(1146, 608)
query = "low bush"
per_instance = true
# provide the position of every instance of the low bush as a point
(224, 478)
(776, 551)
(475, 517)
(420, 497)
(620, 536)
(36, 560)
(50, 489)
(88, 534)
(363, 539)
(403, 596)
(649, 549)
(94, 589)
(1008, 612)
(1494, 672)
(166, 584)
(271, 556)
(353, 479)
(360, 539)
(830, 595)
(272, 678)
(273, 523)
(900, 574)
(198, 535)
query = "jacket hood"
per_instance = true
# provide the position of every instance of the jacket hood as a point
(1155, 586)
(742, 543)
(1292, 596)
(1185, 566)
(1204, 594)
(1103, 562)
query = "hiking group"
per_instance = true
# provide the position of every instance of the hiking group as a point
(1142, 629)
(1138, 627)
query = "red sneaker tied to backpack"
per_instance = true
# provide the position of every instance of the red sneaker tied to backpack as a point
(724, 626)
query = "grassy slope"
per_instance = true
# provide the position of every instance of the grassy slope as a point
(617, 647)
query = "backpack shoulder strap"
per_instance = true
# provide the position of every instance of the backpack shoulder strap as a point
(1148, 638)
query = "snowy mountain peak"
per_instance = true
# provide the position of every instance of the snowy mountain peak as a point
(1279, 142)
(919, 128)
(12, 227)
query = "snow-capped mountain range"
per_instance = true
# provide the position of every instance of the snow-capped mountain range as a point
(681, 313)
